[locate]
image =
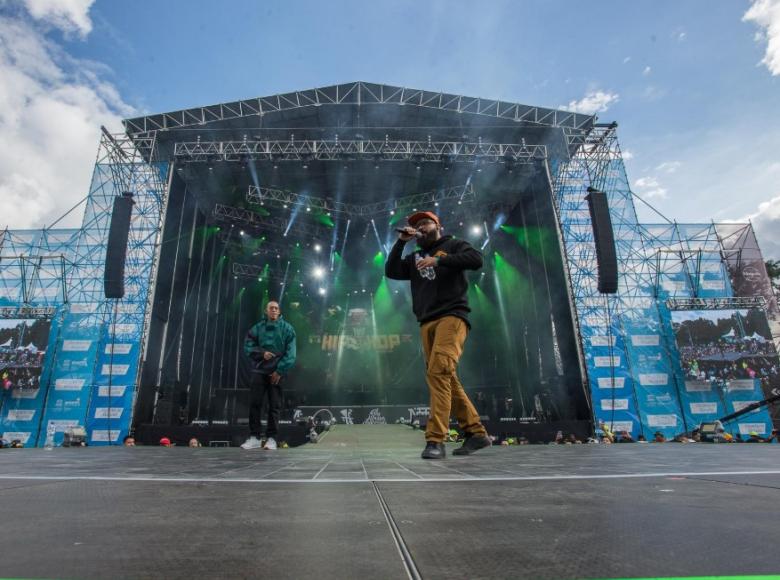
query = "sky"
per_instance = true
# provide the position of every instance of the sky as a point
(694, 85)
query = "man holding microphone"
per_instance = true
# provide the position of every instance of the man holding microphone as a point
(439, 286)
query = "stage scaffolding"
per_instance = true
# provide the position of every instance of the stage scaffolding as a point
(59, 272)
(628, 344)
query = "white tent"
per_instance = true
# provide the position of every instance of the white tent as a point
(757, 337)
(729, 334)
(31, 347)
(7, 344)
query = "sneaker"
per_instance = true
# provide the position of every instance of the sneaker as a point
(252, 443)
(472, 444)
(434, 451)
(270, 443)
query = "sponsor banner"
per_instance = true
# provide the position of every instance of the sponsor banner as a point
(739, 405)
(616, 404)
(102, 435)
(611, 382)
(69, 384)
(20, 414)
(653, 379)
(654, 399)
(645, 339)
(114, 370)
(76, 345)
(704, 408)
(68, 365)
(746, 428)
(116, 391)
(603, 340)
(65, 405)
(698, 386)
(23, 436)
(25, 393)
(606, 361)
(742, 385)
(119, 348)
(662, 420)
(617, 426)
(108, 412)
(124, 329)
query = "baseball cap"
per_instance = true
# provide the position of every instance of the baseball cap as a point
(165, 441)
(421, 215)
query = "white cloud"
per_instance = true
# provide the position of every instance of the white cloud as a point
(627, 60)
(51, 110)
(766, 15)
(627, 154)
(593, 102)
(647, 71)
(67, 15)
(681, 36)
(669, 166)
(649, 187)
(766, 222)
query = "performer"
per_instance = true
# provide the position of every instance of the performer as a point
(271, 345)
(438, 281)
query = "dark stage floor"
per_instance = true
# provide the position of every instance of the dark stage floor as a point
(362, 504)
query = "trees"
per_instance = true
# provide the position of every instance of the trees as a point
(773, 269)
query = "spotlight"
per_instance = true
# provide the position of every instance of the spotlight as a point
(308, 209)
(319, 272)
(392, 212)
(476, 230)
(321, 291)
(317, 248)
(241, 233)
(446, 161)
(509, 161)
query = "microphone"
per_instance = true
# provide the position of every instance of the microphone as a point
(416, 233)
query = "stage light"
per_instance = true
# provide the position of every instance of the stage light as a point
(509, 161)
(241, 232)
(259, 279)
(436, 204)
(308, 208)
(317, 248)
(319, 272)
(476, 230)
(392, 212)
(284, 205)
(321, 291)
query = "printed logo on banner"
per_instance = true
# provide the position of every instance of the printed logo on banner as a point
(60, 405)
(663, 399)
(76, 345)
(101, 435)
(649, 359)
(611, 382)
(23, 436)
(103, 412)
(121, 329)
(713, 285)
(603, 340)
(20, 414)
(739, 405)
(741, 384)
(662, 420)
(25, 393)
(614, 404)
(704, 408)
(654, 379)
(698, 386)
(645, 339)
(69, 384)
(116, 391)
(746, 428)
(62, 425)
(606, 361)
(617, 426)
(72, 365)
(119, 348)
(115, 370)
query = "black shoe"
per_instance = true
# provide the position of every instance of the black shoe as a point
(434, 451)
(472, 444)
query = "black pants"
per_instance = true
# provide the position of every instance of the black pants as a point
(261, 388)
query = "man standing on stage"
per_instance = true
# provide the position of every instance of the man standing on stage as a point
(439, 285)
(271, 345)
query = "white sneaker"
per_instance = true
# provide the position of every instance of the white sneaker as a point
(270, 443)
(252, 443)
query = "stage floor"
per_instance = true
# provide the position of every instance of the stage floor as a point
(363, 504)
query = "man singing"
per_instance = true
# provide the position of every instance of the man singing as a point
(438, 280)
(271, 345)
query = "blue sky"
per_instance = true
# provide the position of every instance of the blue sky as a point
(693, 84)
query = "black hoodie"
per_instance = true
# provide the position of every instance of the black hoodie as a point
(439, 291)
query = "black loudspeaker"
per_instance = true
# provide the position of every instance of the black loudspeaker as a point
(114, 280)
(605, 241)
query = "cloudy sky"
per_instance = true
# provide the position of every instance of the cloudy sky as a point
(693, 84)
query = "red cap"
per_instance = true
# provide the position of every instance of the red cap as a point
(416, 217)
(165, 441)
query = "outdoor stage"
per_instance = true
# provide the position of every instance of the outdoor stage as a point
(363, 504)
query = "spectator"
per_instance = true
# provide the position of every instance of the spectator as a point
(165, 442)
(659, 437)
(641, 439)
(753, 437)
(625, 437)
(128, 441)
(194, 442)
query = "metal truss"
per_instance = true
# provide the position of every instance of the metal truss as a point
(724, 303)
(445, 152)
(357, 94)
(254, 220)
(282, 198)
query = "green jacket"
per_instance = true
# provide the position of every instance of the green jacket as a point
(277, 337)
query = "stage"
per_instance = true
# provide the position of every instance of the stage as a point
(362, 503)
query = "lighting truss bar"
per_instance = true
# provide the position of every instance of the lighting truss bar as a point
(727, 303)
(255, 220)
(279, 197)
(366, 150)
